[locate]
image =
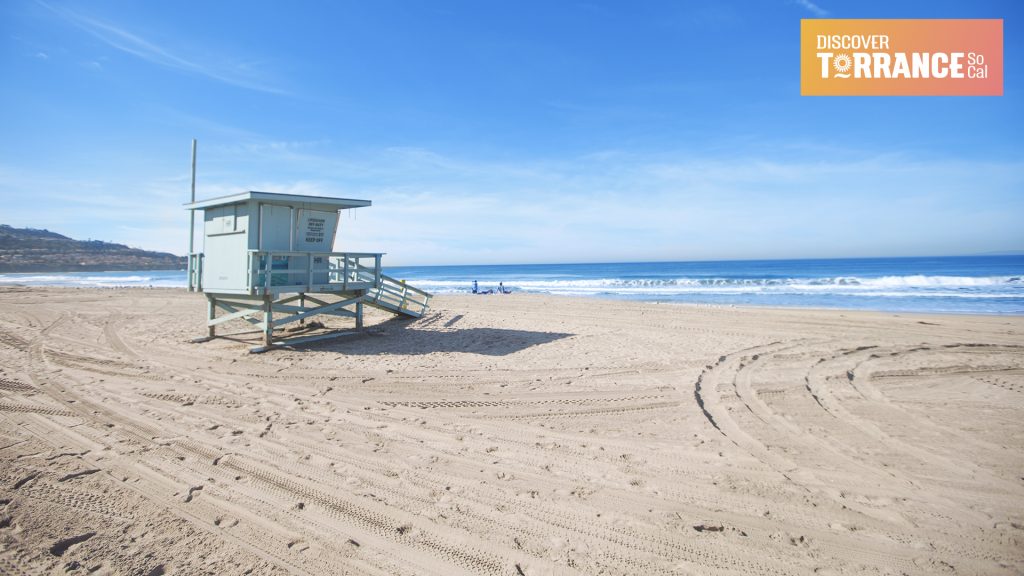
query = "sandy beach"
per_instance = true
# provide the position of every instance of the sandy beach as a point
(517, 435)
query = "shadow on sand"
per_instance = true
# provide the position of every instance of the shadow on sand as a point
(399, 337)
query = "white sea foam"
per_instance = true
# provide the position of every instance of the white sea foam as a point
(1003, 294)
(99, 280)
(885, 286)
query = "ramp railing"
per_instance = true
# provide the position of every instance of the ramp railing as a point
(394, 295)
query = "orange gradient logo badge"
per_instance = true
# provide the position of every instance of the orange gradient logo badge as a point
(901, 57)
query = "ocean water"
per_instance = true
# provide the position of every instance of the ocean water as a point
(973, 284)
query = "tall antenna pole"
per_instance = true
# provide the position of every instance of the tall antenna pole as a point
(192, 219)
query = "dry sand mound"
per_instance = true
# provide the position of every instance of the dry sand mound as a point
(509, 435)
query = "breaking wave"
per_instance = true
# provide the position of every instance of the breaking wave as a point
(953, 284)
(885, 286)
(158, 278)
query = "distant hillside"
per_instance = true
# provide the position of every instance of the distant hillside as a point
(30, 250)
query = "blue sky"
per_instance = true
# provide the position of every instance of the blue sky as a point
(501, 132)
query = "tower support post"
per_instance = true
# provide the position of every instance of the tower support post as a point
(211, 315)
(268, 321)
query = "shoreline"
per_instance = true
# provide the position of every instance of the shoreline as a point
(600, 298)
(611, 299)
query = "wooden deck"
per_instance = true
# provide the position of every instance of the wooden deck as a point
(285, 287)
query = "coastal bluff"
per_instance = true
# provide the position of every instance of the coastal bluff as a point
(32, 250)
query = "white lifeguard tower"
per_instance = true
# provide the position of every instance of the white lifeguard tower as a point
(267, 259)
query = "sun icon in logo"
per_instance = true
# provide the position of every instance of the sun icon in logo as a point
(842, 64)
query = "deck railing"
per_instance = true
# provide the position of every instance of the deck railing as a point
(272, 271)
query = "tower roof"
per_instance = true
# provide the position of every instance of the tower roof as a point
(325, 203)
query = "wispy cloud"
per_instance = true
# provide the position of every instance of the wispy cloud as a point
(242, 75)
(433, 208)
(811, 6)
(430, 207)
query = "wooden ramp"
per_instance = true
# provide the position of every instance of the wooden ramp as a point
(398, 297)
(390, 293)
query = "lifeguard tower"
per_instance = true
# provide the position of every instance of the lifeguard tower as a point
(267, 259)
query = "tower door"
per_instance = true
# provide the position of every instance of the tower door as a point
(275, 227)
